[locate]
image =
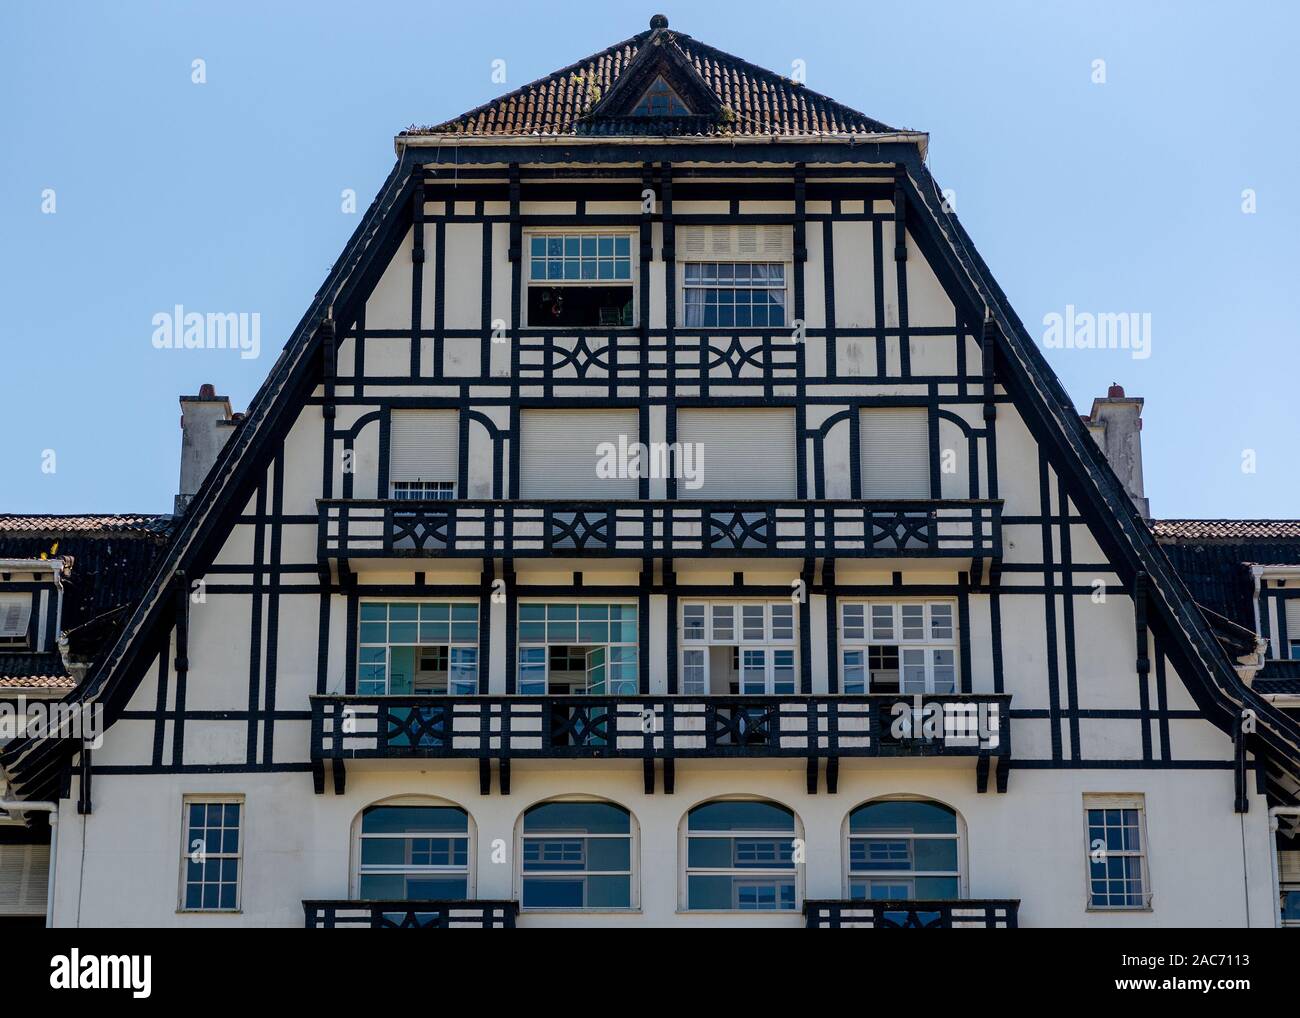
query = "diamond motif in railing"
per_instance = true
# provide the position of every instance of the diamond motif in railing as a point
(419, 726)
(910, 919)
(735, 356)
(580, 725)
(735, 529)
(742, 725)
(581, 357)
(902, 530)
(580, 530)
(421, 530)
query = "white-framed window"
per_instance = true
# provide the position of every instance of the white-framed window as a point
(577, 854)
(1290, 611)
(212, 853)
(740, 294)
(415, 491)
(15, 619)
(1116, 847)
(599, 636)
(738, 647)
(423, 647)
(904, 849)
(423, 454)
(898, 646)
(580, 278)
(740, 857)
(413, 851)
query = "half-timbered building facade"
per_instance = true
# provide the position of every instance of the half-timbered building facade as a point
(661, 517)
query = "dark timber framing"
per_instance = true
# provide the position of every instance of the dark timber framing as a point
(1074, 480)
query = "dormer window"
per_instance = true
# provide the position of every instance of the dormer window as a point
(659, 100)
(15, 620)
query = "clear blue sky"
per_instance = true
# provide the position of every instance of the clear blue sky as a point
(1123, 196)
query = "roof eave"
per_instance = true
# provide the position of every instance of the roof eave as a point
(405, 141)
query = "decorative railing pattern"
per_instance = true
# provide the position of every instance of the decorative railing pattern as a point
(950, 914)
(712, 356)
(410, 915)
(928, 528)
(667, 727)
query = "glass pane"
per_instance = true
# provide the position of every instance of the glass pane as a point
(406, 819)
(911, 815)
(579, 817)
(745, 815)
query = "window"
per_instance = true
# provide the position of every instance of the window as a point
(740, 857)
(576, 855)
(722, 294)
(424, 647)
(742, 453)
(423, 454)
(904, 849)
(1288, 866)
(895, 449)
(579, 279)
(413, 853)
(564, 454)
(212, 854)
(898, 647)
(1117, 864)
(15, 619)
(1291, 614)
(660, 100)
(413, 491)
(742, 647)
(577, 647)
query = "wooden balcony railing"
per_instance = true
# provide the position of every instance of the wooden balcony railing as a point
(922, 528)
(410, 915)
(664, 728)
(949, 914)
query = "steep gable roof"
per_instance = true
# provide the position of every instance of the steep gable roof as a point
(748, 99)
(1022, 369)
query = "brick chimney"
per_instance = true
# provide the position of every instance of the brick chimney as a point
(206, 424)
(1116, 425)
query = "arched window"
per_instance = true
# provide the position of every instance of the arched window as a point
(577, 854)
(413, 852)
(904, 849)
(740, 857)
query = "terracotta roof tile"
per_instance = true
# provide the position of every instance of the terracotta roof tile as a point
(1226, 530)
(761, 102)
(100, 524)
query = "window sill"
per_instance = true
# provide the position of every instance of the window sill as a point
(580, 911)
(209, 911)
(1106, 909)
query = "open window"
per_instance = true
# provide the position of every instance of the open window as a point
(738, 647)
(425, 648)
(898, 647)
(580, 280)
(577, 648)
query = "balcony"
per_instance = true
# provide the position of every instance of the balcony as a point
(664, 728)
(954, 914)
(410, 915)
(967, 530)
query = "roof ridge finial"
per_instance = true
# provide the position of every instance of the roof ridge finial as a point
(659, 21)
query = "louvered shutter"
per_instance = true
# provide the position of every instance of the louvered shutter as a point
(741, 453)
(741, 243)
(895, 453)
(24, 879)
(559, 453)
(15, 615)
(422, 446)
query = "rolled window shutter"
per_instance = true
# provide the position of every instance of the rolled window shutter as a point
(24, 879)
(741, 453)
(895, 453)
(1292, 623)
(423, 445)
(743, 243)
(560, 452)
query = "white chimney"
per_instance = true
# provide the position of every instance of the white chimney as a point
(1116, 425)
(206, 424)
